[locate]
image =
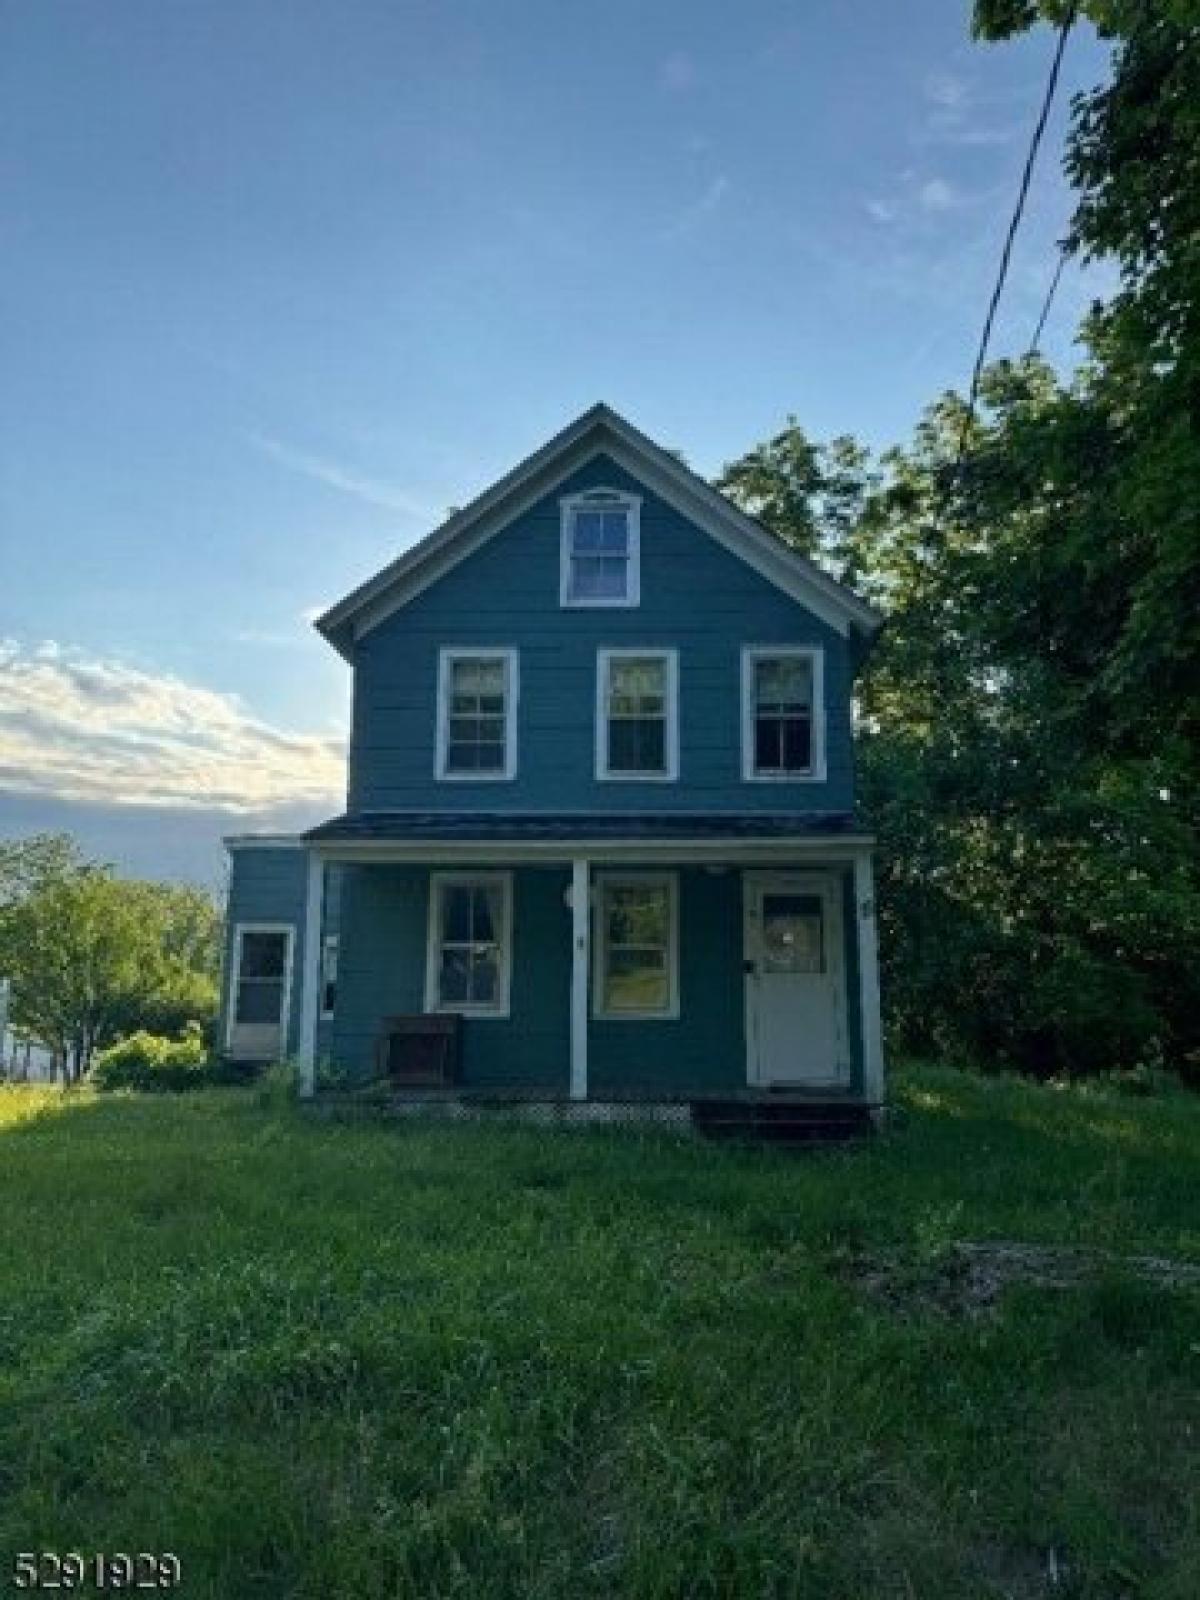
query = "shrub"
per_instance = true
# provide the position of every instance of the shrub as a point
(148, 1061)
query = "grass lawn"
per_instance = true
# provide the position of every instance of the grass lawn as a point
(321, 1359)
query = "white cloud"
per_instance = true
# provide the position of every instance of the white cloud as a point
(944, 89)
(347, 481)
(937, 195)
(678, 72)
(959, 115)
(880, 212)
(76, 727)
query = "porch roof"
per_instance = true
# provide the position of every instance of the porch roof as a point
(615, 827)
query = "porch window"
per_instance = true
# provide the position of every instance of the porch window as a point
(782, 725)
(637, 714)
(477, 714)
(600, 549)
(637, 947)
(469, 959)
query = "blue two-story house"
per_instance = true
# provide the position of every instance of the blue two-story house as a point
(600, 808)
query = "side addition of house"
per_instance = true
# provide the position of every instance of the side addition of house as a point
(599, 841)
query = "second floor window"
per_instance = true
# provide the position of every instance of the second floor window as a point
(477, 714)
(637, 714)
(601, 549)
(782, 732)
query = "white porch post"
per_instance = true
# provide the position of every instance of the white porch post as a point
(868, 977)
(581, 931)
(310, 979)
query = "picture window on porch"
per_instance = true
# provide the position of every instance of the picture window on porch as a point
(476, 724)
(637, 714)
(637, 947)
(470, 944)
(600, 549)
(782, 722)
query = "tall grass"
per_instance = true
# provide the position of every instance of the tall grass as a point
(319, 1359)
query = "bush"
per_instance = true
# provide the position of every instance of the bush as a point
(148, 1061)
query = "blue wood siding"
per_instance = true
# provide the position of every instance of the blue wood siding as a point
(385, 913)
(383, 950)
(695, 596)
(270, 884)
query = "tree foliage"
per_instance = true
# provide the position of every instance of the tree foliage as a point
(1029, 716)
(92, 956)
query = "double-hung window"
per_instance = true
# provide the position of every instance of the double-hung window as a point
(469, 957)
(783, 735)
(477, 714)
(637, 714)
(600, 549)
(637, 946)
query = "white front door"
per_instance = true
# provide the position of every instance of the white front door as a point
(795, 994)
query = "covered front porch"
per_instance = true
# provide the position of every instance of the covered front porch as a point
(595, 971)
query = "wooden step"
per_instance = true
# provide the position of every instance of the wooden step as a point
(763, 1122)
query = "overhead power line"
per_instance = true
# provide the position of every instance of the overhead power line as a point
(1018, 212)
(1050, 293)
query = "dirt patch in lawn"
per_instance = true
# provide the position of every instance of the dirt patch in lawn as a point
(970, 1278)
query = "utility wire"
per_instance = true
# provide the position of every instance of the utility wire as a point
(1049, 300)
(1018, 211)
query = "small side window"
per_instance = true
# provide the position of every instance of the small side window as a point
(329, 971)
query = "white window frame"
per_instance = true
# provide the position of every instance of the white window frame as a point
(815, 655)
(600, 499)
(604, 659)
(635, 880)
(329, 942)
(447, 656)
(439, 881)
(240, 929)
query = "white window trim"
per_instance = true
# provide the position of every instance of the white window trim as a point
(593, 500)
(815, 655)
(438, 881)
(240, 929)
(447, 655)
(635, 880)
(328, 941)
(604, 658)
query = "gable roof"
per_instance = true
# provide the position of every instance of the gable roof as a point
(599, 430)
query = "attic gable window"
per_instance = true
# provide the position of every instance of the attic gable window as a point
(601, 549)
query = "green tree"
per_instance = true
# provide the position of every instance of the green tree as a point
(1029, 717)
(92, 956)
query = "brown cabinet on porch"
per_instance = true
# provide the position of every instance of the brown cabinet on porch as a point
(420, 1051)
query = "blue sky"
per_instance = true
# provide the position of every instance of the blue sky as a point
(283, 279)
